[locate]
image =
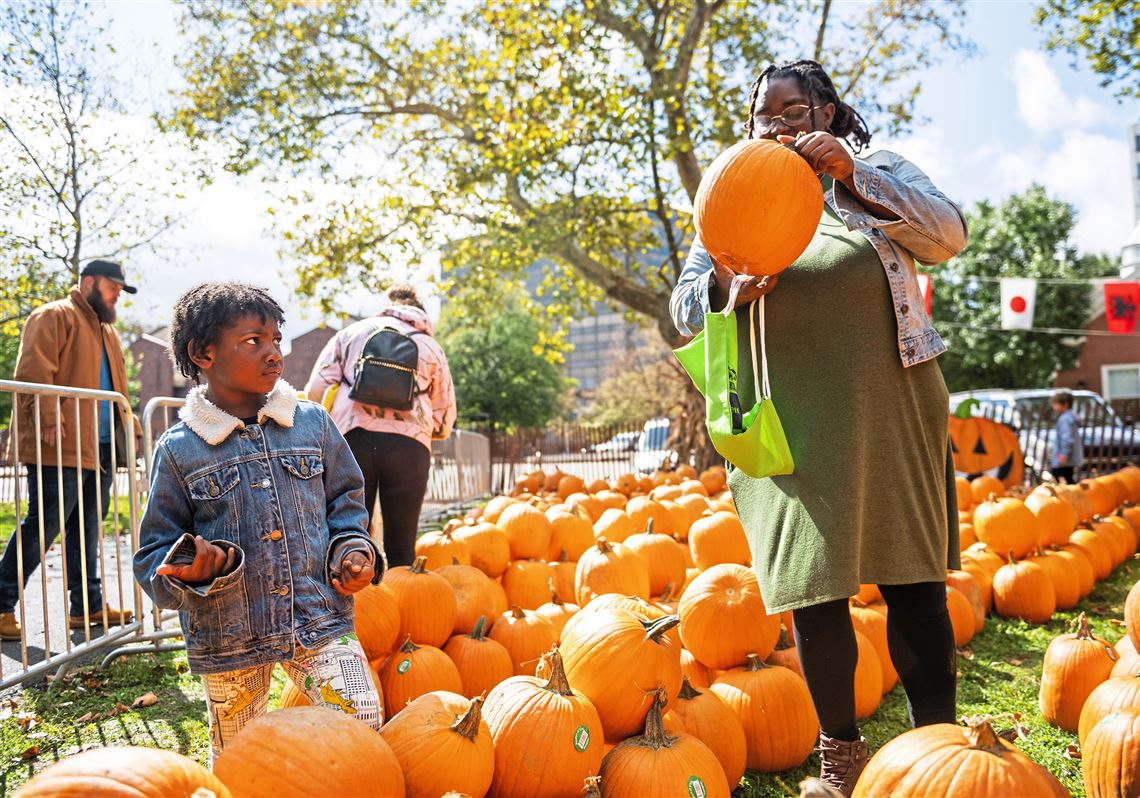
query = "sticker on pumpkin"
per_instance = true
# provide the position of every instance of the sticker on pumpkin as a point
(404, 666)
(581, 739)
(697, 788)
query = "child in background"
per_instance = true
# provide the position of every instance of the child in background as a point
(255, 529)
(1068, 451)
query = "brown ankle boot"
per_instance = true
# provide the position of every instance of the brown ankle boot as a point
(841, 762)
(9, 626)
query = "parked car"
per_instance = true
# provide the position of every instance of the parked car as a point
(651, 453)
(1109, 443)
(619, 444)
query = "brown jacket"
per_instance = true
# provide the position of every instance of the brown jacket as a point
(62, 344)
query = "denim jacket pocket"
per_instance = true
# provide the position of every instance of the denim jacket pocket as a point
(219, 621)
(217, 502)
(303, 466)
(215, 485)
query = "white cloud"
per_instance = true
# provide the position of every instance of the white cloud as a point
(1042, 102)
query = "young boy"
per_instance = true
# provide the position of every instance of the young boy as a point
(255, 529)
(1068, 452)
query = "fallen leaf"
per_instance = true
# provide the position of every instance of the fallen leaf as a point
(1115, 622)
(1072, 751)
(966, 653)
(182, 666)
(1099, 610)
(118, 709)
(37, 735)
(145, 700)
(31, 752)
(87, 717)
(1017, 662)
(27, 720)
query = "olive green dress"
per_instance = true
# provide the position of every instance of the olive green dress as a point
(870, 499)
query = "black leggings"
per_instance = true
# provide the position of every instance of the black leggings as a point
(396, 467)
(921, 642)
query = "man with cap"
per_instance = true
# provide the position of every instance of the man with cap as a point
(70, 342)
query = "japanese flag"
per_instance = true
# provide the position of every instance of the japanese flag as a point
(927, 289)
(1018, 295)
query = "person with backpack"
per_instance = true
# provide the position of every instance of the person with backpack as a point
(386, 384)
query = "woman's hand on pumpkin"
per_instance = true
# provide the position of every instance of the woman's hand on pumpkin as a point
(751, 289)
(209, 563)
(824, 153)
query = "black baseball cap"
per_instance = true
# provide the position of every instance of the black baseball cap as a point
(109, 269)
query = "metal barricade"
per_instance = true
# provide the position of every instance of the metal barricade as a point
(60, 526)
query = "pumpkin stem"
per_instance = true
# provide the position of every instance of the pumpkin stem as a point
(688, 692)
(420, 565)
(467, 725)
(755, 663)
(1009, 557)
(564, 556)
(558, 682)
(655, 629)
(667, 592)
(554, 597)
(477, 632)
(408, 647)
(603, 545)
(649, 527)
(784, 642)
(517, 612)
(982, 736)
(655, 736)
(455, 560)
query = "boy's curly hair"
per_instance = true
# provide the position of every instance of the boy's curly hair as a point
(204, 311)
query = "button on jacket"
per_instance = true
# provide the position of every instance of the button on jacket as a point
(930, 229)
(284, 493)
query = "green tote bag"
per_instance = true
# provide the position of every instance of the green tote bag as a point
(752, 441)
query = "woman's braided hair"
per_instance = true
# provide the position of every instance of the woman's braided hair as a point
(847, 124)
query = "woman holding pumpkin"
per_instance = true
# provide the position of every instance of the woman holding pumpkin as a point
(864, 407)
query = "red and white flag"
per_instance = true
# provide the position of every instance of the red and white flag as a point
(1121, 305)
(1018, 296)
(927, 288)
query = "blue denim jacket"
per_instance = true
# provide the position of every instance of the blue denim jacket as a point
(930, 229)
(283, 492)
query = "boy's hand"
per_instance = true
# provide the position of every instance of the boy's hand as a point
(354, 573)
(209, 563)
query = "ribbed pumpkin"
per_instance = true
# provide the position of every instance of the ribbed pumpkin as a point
(525, 635)
(1118, 692)
(714, 479)
(1122, 532)
(481, 662)
(1056, 518)
(1110, 757)
(1101, 496)
(548, 736)
(474, 598)
(1096, 548)
(710, 720)
(785, 654)
(873, 625)
(615, 601)
(1113, 541)
(557, 611)
(718, 538)
(1078, 498)
(1074, 665)
(614, 525)
(972, 762)
(570, 532)
(643, 510)
(771, 187)
(412, 670)
(726, 597)
(527, 583)
(1129, 661)
(1132, 615)
(377, 620)
(494, 508)
(490, 551)
(966, 536)
(681, 518)
(1066, 581)
(966, 584)
(961, 616)
(981, 488)
(774, 705)
(693, 670)
(426, 602)
(122, 772)
(610, 568)
(1006, 524)
(563, 571)
(442, 743)
(527, 530)
(1077, 560)
(664, 560)
(261, 760)
(612, 500)
(657, 763)
(568, 485)
(617, 659)
(1130, 474)
(1024, 590)
(868, 678)
(442, 548)
(965, 496)
(984, 579)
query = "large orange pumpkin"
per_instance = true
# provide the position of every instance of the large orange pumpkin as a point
(262, 758)
(757, 207)
(122, 772)
(1110, 759)
(983, 446)
(1118, 692)
(718, 538)
(426, 602)
(973, 762)
(525, 635)
(1132, 615)
(377, 620)
(413, 670)
(726, 597)
(474, 598)
(662, 557)
(1074, 666)
(610, 568)
(528, 531)
(1005, 524)
(710, 720)
(490, 550)
(482, 663)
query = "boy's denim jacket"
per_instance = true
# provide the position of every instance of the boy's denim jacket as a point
(284, 493)
(930, 229)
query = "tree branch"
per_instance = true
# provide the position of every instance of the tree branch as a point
(822, 27)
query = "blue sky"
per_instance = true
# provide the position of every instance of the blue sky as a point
(1011, 116)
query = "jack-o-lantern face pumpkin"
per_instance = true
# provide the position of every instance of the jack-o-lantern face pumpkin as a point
(982, 446)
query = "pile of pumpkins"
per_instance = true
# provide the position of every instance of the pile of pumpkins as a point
(610, 638)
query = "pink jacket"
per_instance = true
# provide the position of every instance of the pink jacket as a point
(433, 414)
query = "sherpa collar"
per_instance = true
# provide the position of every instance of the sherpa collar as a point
(213, 425)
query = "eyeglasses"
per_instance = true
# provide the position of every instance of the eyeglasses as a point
(791, 116)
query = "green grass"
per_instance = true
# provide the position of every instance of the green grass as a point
(122, 508)
(1001, 677)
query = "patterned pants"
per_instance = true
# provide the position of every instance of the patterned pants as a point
(334, 676)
